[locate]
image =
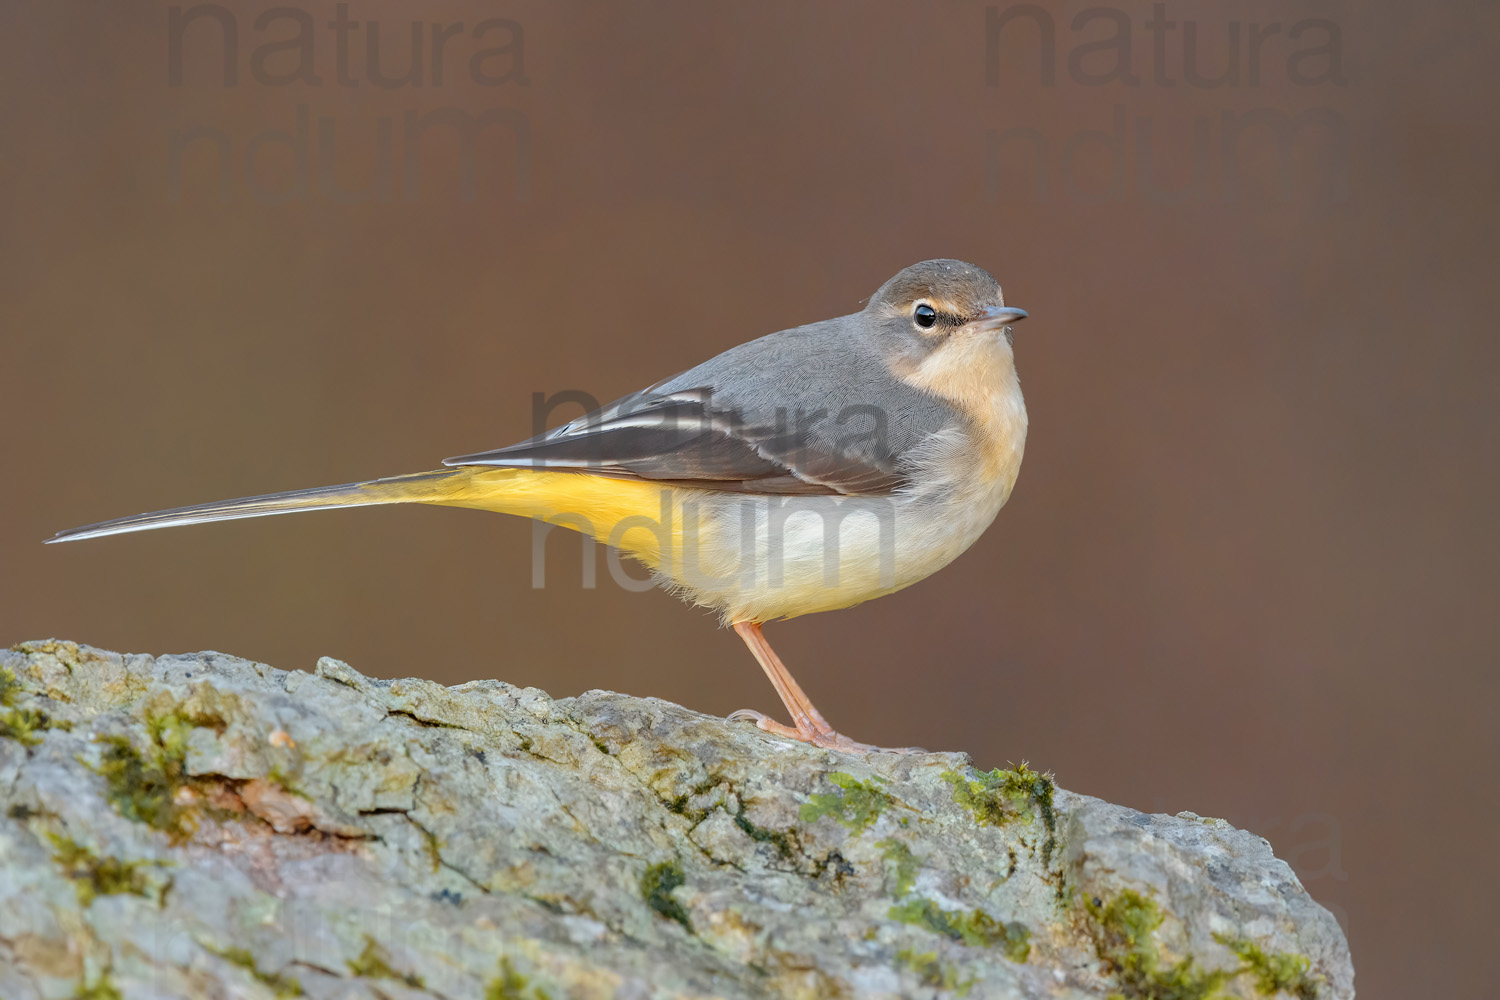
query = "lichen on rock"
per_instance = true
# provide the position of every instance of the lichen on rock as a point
(200, 825)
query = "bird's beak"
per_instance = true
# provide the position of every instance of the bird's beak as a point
(997, 317)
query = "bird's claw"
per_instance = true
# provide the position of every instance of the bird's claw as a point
(819, 736)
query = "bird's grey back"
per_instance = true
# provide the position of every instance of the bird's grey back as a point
(831, 375)
(814, 409)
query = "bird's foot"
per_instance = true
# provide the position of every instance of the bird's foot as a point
(819, 734)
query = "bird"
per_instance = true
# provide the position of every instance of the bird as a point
(809, 470)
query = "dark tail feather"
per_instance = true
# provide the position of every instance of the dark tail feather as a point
(398, 489)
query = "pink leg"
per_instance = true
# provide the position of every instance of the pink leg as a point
(808, 724)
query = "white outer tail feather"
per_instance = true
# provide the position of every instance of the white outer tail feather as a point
(376, 491)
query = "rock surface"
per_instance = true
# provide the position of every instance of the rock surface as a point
(203, 826)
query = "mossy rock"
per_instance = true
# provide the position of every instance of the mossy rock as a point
(187, 826)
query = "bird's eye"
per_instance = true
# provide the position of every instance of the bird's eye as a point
(925, 315)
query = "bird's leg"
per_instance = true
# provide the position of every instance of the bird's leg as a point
(808, 720)
(809, 726)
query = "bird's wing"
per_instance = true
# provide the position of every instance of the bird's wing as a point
(772, 416)
(682, 438)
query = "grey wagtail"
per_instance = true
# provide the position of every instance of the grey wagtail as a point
(812, 469)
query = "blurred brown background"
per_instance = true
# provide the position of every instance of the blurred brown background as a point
(1250, 568)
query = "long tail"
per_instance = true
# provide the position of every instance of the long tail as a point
(593, 505)
(440, 486)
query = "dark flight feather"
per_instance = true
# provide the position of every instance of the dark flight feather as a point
(811, 410)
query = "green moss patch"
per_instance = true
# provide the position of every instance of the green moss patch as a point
(856, 805)
(375, 963)
(1277, 971)
(680, 807)
(779, 839)
(9, 687)
(102, 989)
(932, 972)
(23, 725)
(657, 884)
(903, 864)
(150, 784)
(975, 928)
(280, 985)
(94, 876)
(143, 785)
(1124, 937)
(998, 796)
(277, 776)
(511, 985)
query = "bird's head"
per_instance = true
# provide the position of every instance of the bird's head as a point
(942, 308)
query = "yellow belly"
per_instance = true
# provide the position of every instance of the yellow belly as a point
(634, 516)
(750, 557)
